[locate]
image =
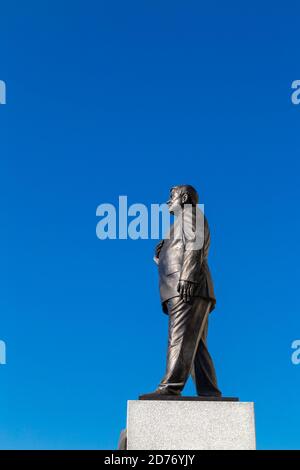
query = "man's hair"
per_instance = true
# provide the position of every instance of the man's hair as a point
(191, 192)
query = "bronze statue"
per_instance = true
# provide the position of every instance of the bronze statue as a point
(187, 297)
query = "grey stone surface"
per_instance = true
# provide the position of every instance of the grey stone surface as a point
(188, 425)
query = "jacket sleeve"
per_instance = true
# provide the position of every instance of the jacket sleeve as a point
(193, 239)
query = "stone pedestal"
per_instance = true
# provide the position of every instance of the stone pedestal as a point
(190, 424)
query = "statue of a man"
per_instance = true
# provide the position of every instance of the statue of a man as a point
(187, 297)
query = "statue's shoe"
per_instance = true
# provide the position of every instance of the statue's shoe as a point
(158, 393)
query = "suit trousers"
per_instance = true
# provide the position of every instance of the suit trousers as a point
(187, 349)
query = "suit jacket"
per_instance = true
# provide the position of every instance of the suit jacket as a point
(180, 258)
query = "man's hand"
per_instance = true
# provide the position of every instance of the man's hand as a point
(186, 290)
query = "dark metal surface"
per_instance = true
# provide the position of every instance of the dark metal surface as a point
(187, 296)
(188, 398)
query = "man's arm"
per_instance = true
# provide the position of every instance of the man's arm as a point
(193, 238)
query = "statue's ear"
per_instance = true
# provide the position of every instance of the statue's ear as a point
(184, 198)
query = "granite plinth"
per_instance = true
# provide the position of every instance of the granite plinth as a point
(187, 424)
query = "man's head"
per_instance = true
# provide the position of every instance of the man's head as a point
(181, 195)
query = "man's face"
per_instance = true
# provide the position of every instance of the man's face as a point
(174, 203)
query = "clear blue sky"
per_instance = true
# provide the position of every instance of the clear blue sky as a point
(129, 98)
